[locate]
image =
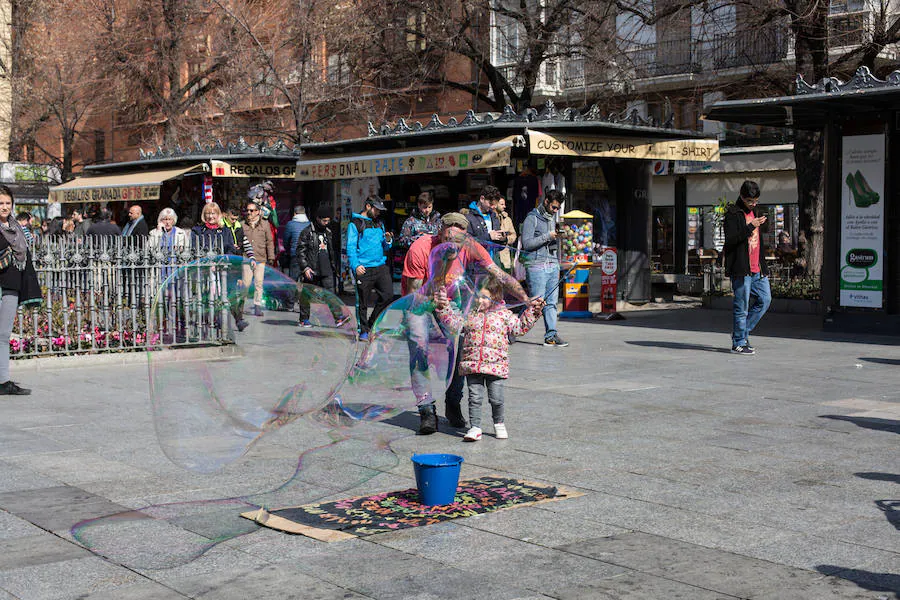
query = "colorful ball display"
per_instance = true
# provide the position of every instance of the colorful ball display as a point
(577, 240)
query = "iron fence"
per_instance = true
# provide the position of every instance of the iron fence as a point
(110, 293)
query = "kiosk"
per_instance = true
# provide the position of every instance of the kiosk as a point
(860, 119)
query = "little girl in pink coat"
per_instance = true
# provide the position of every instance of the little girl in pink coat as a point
(485, 348)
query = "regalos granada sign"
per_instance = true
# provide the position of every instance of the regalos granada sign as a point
(134, 193)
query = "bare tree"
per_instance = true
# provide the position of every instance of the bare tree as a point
(300, 69)
(166, 57)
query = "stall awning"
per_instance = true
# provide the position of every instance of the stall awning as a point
(136, 187)
(599, 146)
(407, 162)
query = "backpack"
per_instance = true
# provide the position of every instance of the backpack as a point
(361, 225)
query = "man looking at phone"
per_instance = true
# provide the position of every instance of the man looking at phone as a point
(484, 224)
(542, 274)
(746, 266)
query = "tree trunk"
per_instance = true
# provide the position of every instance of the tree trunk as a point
(809, 23)
(809, 157)
(68, 144)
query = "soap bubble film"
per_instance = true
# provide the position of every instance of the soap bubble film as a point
(208, 412)
(288, 415)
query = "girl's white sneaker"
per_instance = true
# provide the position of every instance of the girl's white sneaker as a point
(500, 431)
(473, 435)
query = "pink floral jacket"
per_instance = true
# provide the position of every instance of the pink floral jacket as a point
(485, 347)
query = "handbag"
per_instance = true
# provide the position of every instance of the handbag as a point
(518, 269)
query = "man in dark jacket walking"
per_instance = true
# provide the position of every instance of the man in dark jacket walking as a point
(318, 265)
(745, 264)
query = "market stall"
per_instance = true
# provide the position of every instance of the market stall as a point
(601, 164)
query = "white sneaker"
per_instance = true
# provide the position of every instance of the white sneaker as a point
(473, 435)
(500, 431)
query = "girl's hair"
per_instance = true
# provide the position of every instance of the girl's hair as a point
(166, 212)
(5, 191)
(493, 287)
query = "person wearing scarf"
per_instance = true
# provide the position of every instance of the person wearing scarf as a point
(212, 229)
(18, 281)
(539, 238)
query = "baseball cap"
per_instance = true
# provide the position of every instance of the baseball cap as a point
(376, 202)
(454, 219)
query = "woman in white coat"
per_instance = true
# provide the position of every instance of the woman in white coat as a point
(166, 235)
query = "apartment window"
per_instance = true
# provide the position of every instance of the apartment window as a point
(263, 85)
(840, 6)
(415, 31)
(99, 145)
(338, 70)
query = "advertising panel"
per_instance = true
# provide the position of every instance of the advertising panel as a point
(862, 221)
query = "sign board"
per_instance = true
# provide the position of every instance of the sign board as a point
(433, 160)
(135, 193)
(862, 221)
(268, 170)
(609, 267)
(560, 144)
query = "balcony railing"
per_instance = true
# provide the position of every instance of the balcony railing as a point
(686, 56)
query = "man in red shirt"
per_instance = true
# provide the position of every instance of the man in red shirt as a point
(746, 266)
(468, 255)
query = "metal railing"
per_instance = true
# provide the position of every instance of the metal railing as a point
(110, 293)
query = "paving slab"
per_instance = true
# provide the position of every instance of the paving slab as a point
(66, 579)
(693, 487)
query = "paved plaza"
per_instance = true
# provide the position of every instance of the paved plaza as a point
(702, 474)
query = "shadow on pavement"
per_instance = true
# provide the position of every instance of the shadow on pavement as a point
(891, 509)
(881, 361)
(410, 420)
(869, 580)
(879, 476)
(679, 346)
(706, 320)
(889, 425)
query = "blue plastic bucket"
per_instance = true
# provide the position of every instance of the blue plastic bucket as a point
(437, 476)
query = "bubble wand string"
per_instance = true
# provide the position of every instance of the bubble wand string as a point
(561, 279)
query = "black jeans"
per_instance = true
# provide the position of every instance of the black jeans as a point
(377, 279)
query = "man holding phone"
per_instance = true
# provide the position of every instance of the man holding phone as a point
(484, 224)
(539, 237)
(746, 266)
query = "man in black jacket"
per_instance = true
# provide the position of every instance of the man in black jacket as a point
(318, 267)
(104, 225)
(745, 264)
(137, 224)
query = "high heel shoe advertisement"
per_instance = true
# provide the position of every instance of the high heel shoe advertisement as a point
(862, 221)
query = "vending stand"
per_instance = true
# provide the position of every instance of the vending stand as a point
(576, 245)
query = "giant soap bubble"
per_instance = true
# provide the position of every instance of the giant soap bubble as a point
(285, 415)
(208, 411)
(410, 357)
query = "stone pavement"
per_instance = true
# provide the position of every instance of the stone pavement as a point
(705, 475)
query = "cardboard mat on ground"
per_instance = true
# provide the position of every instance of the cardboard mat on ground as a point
(389, 511)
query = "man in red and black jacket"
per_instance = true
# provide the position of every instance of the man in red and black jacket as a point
(745, 264)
